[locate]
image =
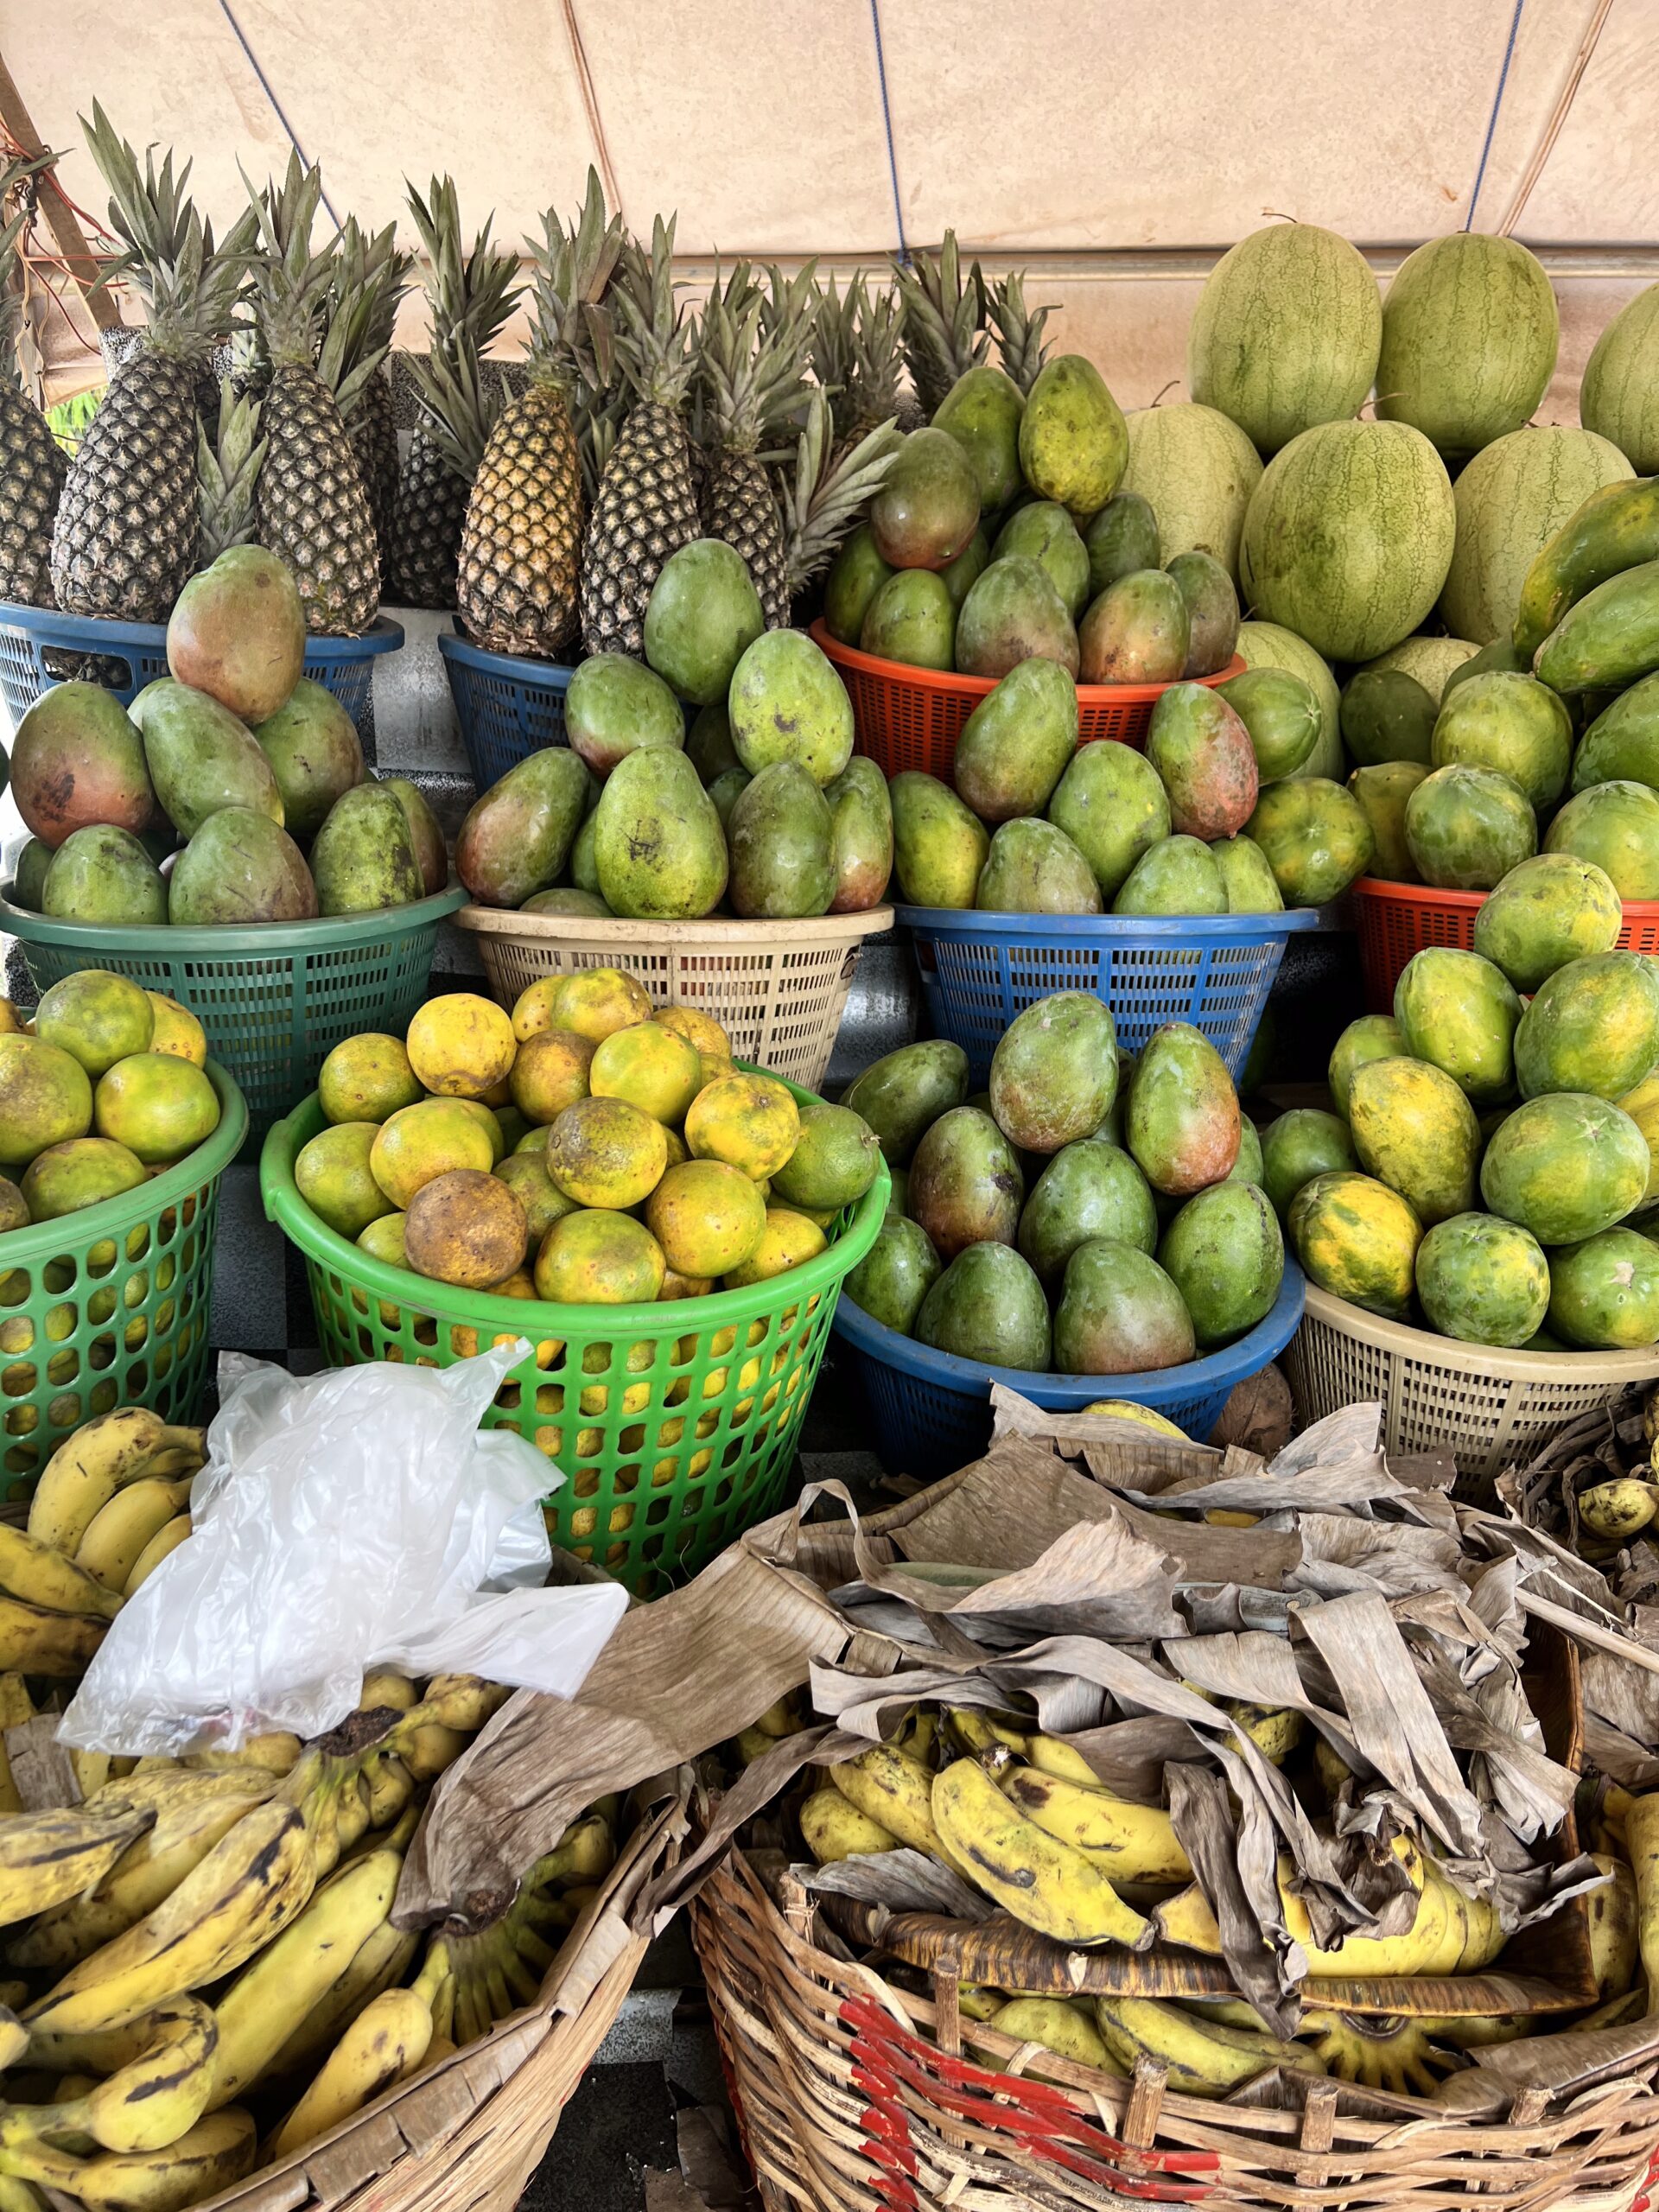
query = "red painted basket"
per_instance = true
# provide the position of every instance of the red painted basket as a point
(1396, 920)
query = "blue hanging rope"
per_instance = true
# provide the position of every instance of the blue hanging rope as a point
(276, 104)
(1492, 120)
(886, 124)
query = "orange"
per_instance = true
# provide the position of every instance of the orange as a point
(595, 1000)
(605, 1152)
(176, 1031)
(366, 1078)
(788, 1239)
(421, 1141)
(698, 1029)
(708, 1217)
(599, 1259)
(748, 1121)
(649, 1066)
(461, 1046)
(550, 1073)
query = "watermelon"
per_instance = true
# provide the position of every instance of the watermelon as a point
(1470, 332)
(1195, 469)
(1266, 644)
(1511, 499)
(1433, 661)
(1349, 536)
(1285, 334)
(1619, 397)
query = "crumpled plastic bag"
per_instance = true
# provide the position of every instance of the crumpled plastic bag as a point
(353, 1518)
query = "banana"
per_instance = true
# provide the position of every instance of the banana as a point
(166, 1540)
(779, 1719)
(896, 1792)
(1200, 2057)
(1620, 1510)
(387, 2040)
(47, 1857)
(161, 2094)
(1612, 1913)
(1066, 2030)
(118, 1532)
(388, 1786)
(382, 1959)
(175, 1460)
(585, 1852)
(16, 1706)
(1046, 1883)
(974, 1731)
(1136, 1843)
(39, 1576)
(1384, 2052)
(1187, 1919)
(833, 1827)
(752, 1744)
(14, 2038)
(383, 1687)
(277, 1753)
(975, 2002)
(216, 2153)
(271, 1997)
(57, 1646)
(1049, 1756)
(1274, 1730)
(1331, 1768)
(90, 1770)
(1433, 1944)
(87, 1469)
(463, 1701)
(1641, 1833)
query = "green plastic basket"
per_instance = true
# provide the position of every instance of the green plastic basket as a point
(674, 1424)
(275, 998)
(110, 1306)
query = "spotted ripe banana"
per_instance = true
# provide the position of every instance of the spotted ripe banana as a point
(1201, 2057)
(217, 2151)
(585, 1852)
(1064, 2028)
(1642, 1833)
(277, 1753)
(1050, 1756)
(16, 1706)
(1617, 1510)
(59, 1646)
(88, 1468)
(1133, 1843)
(833, 1827)
(1059, 1892)
(387, 2040)
(895, 1792)
(975, 1731)
(118, 1532)
(161, 2094)
(161, 1545)
(47, 1857)
(1613, 1917)
(380, 1961)
(38, 1575)
(1384, 2052)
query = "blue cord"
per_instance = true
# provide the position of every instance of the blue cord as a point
(886, 124)
(1492, 120)
(277, 105)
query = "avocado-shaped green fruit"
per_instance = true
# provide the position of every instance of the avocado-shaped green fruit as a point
(1017, 742)
(939, 844)
(1119, 1313)
(1299, 1144)
(895, 1274)
(240, 866)
(781, 837)
(1054, 1072)
(911, 619)
(363, 858)
(657, 842)
(1043, 531)
(200, 757)
(1225, 1254)
(981, 412)
(1211, 612)
(965, 1185)
(1245, 876)
(856, 574)
(1138, 630)
(927, 507)
(786, 702)
(1622, 744)
(314, 752)
(988, 1308)
(1091, 1188)
(702, 613)
(1122, 538)
(1011, 614)
(1034, 868)
(1112, 805)
(903, 1093)
(615, 705)
(517, 836)
(861, 836)
(1178, 875)
(103, 874)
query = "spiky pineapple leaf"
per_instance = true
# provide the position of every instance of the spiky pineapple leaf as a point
(822, 501)
(227, 474)
(944, 332)
(1019, 330)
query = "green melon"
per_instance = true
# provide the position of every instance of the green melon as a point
(1619, 397)
(1470, 333)
(1285, 333)
(1431, 661)
(1511, 499)
(1195, 469)
(1349, 536)
(1268, 645)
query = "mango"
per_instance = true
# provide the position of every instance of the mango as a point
(903, 1094)
(1112, 805)
(1074, 443)
(1054, 1072)
(583, 863)
(615, 706)
(237, 631)
(600, 1259)
(660, 849)
(201, 757)
(786, 702)
(856, 574)
(28, 874)
(1017, 743)
(96, 1017)
(709, 743)
(240, 866)
(46, 1098)
(1034, 868)
(895, 1274)
(959, 576)
(927, 507)
(726, 790)
(939, 846)
(1178, 875)
(334, 1177)
(1044, 532)
(965, 1185)
(912, 618)
(363, 858)
(1204, 758)
(77, 760)
(466, 1228)
(1225, 1254)
(425, 834)
(861, 838)
(1299, 1144)
(1121, 538)
(314, 752)
(1182, 1125)
(781, 839)
(981, 412)
(988, 1308)
(1382, 793)
(84, 1172)
(103, 874)
(1119, 1313)
(518, 837)
(367, 1079)
(1284, 719)
(1211, 612)
(1014, 613)
(1246, 879)
(703, 614)
(417, 1142)
(1089, 1189)
(155, 1104)
(1386, 714)
(1414, 1130)
(1138, 630)
(565, 899)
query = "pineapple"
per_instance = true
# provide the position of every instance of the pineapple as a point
(944, 321)
(125, 538)
(227, 471)
(646, 505)
(310, 506)
(32, 466)
(856, 358)
(371, 277)
(750, 363)
(1019, 334)
(521, 544)
(830, 487)
(469, 300)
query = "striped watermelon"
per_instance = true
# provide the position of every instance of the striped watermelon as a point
(1469, 331)
(1511, 499)
(1265, 645)
(1431, 660)
(1285, 333)
(1348, 537)
(1619, 397)
(1197, 470)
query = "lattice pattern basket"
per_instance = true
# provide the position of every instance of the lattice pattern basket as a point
(778, 988)
(1489, 1407)
(507, 708)
(1394, 920)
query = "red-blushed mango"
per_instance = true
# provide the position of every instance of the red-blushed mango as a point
(1182, 1126)
(965, 1184)
(604, 1152)
(927, 508)
(517, 836)
(861, 838)
(1414, 1130)
(1138, 630)
(425, 834)
(1203, 754)
(77, 760)
(614, 705)
(1356, 1239)
(1054, 1072)
(237, 631)
(465, 1228)
(1011, 614)
(1119, 1313)
(461, 1046)
(1034, 868)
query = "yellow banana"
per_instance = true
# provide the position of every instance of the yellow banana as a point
(1393, 2053)
(1275, 1730)
(90, 1770)
(161, 1545)
(387, 2040)
(16, 1706)
(1202, 2058)
(1043, 1882)
(57, 1646)
(752, 1744)
(1617, 1510)
(1186, 1919)
(1050, 1756)
(382, 1960)
(118, 1532)
(87, 1469)
(47, 1857)
(277, 1753)
(383, 1687)
(216, 2153)
(162, 2093)
(175, 1460)
(1064, 2028)
(833, 1827)
(974, 1731)
(1642, 1833)
(42, 1576)
(1612, 1916)
(893, 1791)
(585, 1852)
(1433, 1944)
(1331, 1767)
(14, 2038)
(1135, 1843)
(779, 1719)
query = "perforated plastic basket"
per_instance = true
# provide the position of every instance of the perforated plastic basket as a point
(777, 988)
(275, 998)
(931, 1411)
(1395, 920)
(110, 1306)
(507, 706)
(129, 655)
(1487, 1406)
(912, 717)
(979, 970)
(674, 1424)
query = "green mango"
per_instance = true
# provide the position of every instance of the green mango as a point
(959, 576)
(725, 791)
(101, 873)
(1113, 807)
(1305, 1142)
(1225, 1254)
(584, 868)
(911, 620)
(703, 614)
(517, 838)
(903, 1094)
(1013, 613)
(861, 838)
(1245, 876)
(939, 845)
(780, 837)
(708, 745)
(1054, 1072)
(1387, 715)
(427, 833)
(1119, 1314)
(240, 866)
(895, 1274)
(1121, 538)
(659, 844)
(988, 1308)
(614, 705)
(982, 412)
(786, 702)
(1091, 1188)
(928, 506)
(363, 858)
(1017, 742)
(1178, 875)
(201, 758)
(856, 574)
(1382, 791)
(1372, 1037)
(965, 1184)
(29, 877)
(314, 752)
(1137, 632)
(1074, 443)
(1211, 612)
(1042, 531)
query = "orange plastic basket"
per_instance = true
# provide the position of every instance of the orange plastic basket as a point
(912, 717)
(1396, 920)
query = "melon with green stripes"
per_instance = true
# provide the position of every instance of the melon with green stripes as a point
(1470, 333)
(1619, 397)
(1197, 470)
(1511, 499)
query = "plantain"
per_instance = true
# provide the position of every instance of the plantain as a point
(1384, 2051)
(160, 2095)
(161, 1545)
(382, 1959)
(833, 1827)
(1200, 2057)
(1611, 1912)
(1275, 1730)
(975, 1731)
(779, 1719)
(1135, 1843)
(59, 1646)
(1045, 1882)
(217, 2151)
(896, 1792)
(1050, 1756)
(1056, 2025)
(1641, 1833)
(1188, 1920)
(88, 1468)
(1618, 1511)
(387, 2040)
(118, 1531)
(428, 1748)
(38, 1575)
(47, 1857)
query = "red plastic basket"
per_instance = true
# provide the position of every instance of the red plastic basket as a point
(912, 717)
(1396, 920)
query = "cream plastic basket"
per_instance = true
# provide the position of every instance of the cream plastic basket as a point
(777, 988)
(1488, 1407)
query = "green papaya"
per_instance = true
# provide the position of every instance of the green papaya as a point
(1615, 529)
(1606, 639)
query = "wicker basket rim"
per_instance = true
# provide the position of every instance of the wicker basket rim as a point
(1488, 1362)
(713, 933)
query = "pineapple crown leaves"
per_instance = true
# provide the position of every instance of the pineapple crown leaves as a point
(371, 276)
(461, 401)
(597, 417)
(227, 472)
(14, 177)
(479, 291)
(190, 284)
(1019, 330)
(824, 497)
(944, 332)
(574, 339)
(654, 343)
(291, 284)
(750, 353)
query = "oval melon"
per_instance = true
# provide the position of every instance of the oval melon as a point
(1511, 499)
(1470, 333)
(1268, 645)
(1197, 469)
(1349, 536)
(1430, 660)
(1285, 333)
(1619, 397)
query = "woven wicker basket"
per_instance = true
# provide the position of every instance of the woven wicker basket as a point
(777, 988)
(1487, 1406)
(854, 2096)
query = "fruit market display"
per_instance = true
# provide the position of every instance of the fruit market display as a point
(583, 1151)
(1089, 1214)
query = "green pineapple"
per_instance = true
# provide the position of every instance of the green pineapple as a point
(856, 357)
(124, 541)
(1019, 332)
(944, 321)
(227, 474)
(32, 464)
(751, 354)
(371, 277)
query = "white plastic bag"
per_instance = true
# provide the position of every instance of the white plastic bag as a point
(355, 1517)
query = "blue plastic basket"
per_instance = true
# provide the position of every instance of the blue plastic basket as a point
(931, 1411)
(135, 653)
(508, 708)
(979, 970)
